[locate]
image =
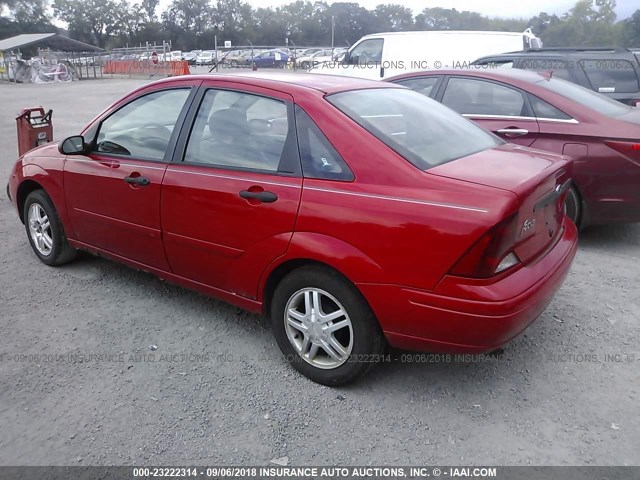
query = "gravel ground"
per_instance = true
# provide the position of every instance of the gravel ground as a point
(215, 390)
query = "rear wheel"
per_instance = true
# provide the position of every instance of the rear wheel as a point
(44, 230)
(573, 206)
(324, 326)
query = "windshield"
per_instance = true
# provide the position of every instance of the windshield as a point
(584, 96)
(420, 129)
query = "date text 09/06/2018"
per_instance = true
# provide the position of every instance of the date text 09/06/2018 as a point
(325, 472)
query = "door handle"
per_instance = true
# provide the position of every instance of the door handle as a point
(262, 196)
(513, 132)
(140, 181)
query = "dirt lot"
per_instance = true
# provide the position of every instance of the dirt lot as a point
(215, 391)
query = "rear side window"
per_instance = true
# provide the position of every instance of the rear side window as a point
(477, 97)
(544, 110)
(319, 158)
(590, 99)
(611, 76)
(423, 85)
(418, 128)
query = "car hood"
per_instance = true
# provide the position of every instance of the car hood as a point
(47, 150)
(508, 167)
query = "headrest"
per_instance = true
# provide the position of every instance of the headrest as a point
(227, 122)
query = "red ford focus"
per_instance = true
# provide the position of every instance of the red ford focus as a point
(351, 212)
(538, 111)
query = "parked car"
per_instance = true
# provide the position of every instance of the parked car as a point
(236, 58)
(206, 58)
(383, 55)
(271, 58)
(190, 57)
(306, 52)
(614, 72)
(314, 59)
(545, 112)
(427, 238)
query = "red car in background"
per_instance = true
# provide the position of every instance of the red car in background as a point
(539, 111)
(350, 211)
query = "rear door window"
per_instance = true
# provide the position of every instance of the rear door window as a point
(611, 76)
(478, 97)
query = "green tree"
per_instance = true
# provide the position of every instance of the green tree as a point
(88, 20)
(631, 30)
(393, 17)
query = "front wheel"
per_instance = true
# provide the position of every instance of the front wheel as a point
(44, 230)
(324, 326)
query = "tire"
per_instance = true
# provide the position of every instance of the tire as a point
(573, 206)
(44, 230)
(360, 335)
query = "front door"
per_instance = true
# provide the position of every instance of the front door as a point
(113, 192)
(229, 203)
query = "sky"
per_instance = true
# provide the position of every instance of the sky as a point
(490, 8)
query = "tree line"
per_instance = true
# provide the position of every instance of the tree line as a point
(193, 24)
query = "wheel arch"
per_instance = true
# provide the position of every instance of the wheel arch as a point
(24, 189)
(309, 248)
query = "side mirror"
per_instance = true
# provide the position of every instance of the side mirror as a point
(347, 58)
(73, 145)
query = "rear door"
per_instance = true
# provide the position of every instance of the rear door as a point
(498, 107)
(230, 198)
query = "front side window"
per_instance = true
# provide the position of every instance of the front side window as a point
(367, 52)
(423, 85)
(143, 127)
(478, 97)
(418, 128)
(611, 76)
(238, 130)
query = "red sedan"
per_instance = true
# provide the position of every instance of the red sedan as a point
(539, 111)
(352, 212)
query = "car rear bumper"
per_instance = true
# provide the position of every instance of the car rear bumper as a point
(472, 316)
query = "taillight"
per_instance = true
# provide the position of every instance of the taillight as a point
(631, 150)
(491, 254)
(635, 103)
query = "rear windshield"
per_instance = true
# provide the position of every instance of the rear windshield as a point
(611, 76)
(584, 96)
(422, 130)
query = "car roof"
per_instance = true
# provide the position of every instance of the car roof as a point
(565, 52)
(326, 84)
(488, 73)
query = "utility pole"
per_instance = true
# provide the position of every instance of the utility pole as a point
(333, 28)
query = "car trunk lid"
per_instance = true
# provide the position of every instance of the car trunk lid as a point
(540, 180)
